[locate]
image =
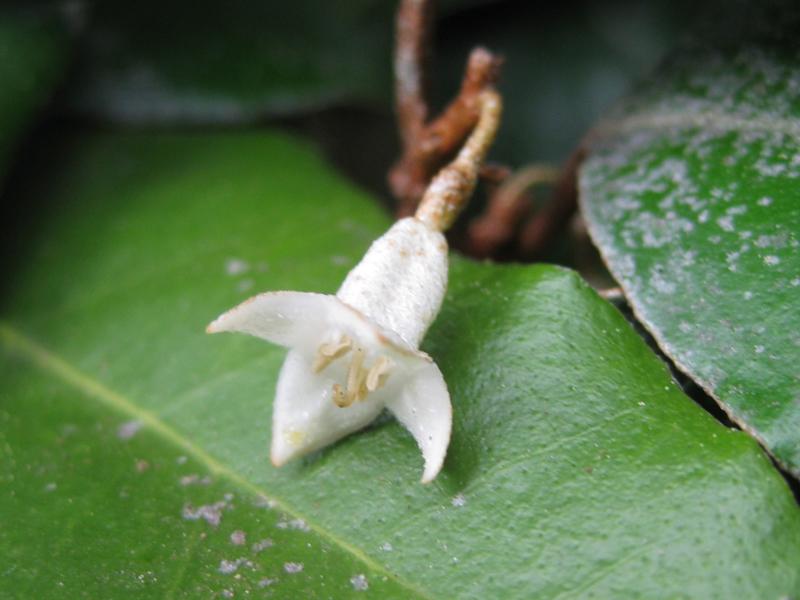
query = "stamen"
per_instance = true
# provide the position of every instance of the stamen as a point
(329, 352)
(360, 381)
(355, 374)
(341, 399)
(378, 373)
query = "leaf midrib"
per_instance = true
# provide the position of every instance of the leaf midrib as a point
(58, 368)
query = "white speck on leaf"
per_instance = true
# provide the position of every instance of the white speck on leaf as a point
(236, 266)
(359, 582)
(296, 524)
(458, 500)
(292, 567)
(262, 545)
(226, 567)
(127, 430)
(771, 260)
(386, 547)
(726, 223)
(50, 487)
(210, 513)
(238, 538)
(264, 502)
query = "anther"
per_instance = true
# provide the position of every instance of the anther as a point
(355, 375)
(329, 352)
(378, 373)
(341, 399)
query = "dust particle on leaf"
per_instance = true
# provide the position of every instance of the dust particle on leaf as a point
(238, 538)
(359, 582)
(236, 266)
(210, 513)
(292, 567)
(226, 567)
(129, 429)
(262, 545)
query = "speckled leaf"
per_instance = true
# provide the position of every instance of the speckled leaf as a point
(576, 468)
(32, 57)
(692, 194)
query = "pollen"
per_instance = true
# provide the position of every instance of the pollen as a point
(339, 396)
(295, 437)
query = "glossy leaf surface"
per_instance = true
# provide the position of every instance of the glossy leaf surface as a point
(692, 195)
(576, 468)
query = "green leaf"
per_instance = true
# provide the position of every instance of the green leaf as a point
(106, 510)
(577, 467)
(691, 194)
(198, 61)
(32, 58)
(190, 61)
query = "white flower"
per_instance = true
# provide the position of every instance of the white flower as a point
(352, 354)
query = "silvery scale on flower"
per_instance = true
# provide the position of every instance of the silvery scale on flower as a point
(357, 352)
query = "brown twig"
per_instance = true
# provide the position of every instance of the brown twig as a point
(412, 54)
(450, 189)
(540, 230)
(427, 146)
(506, 209)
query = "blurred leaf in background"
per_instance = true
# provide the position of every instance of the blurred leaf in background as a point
(34, 54)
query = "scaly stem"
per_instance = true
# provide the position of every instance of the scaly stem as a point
(450, 189)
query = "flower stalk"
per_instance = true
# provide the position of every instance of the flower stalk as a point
(450, 189)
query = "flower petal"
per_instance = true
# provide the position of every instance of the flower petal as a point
(304, 415)
(423, 407)
(302, 320)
